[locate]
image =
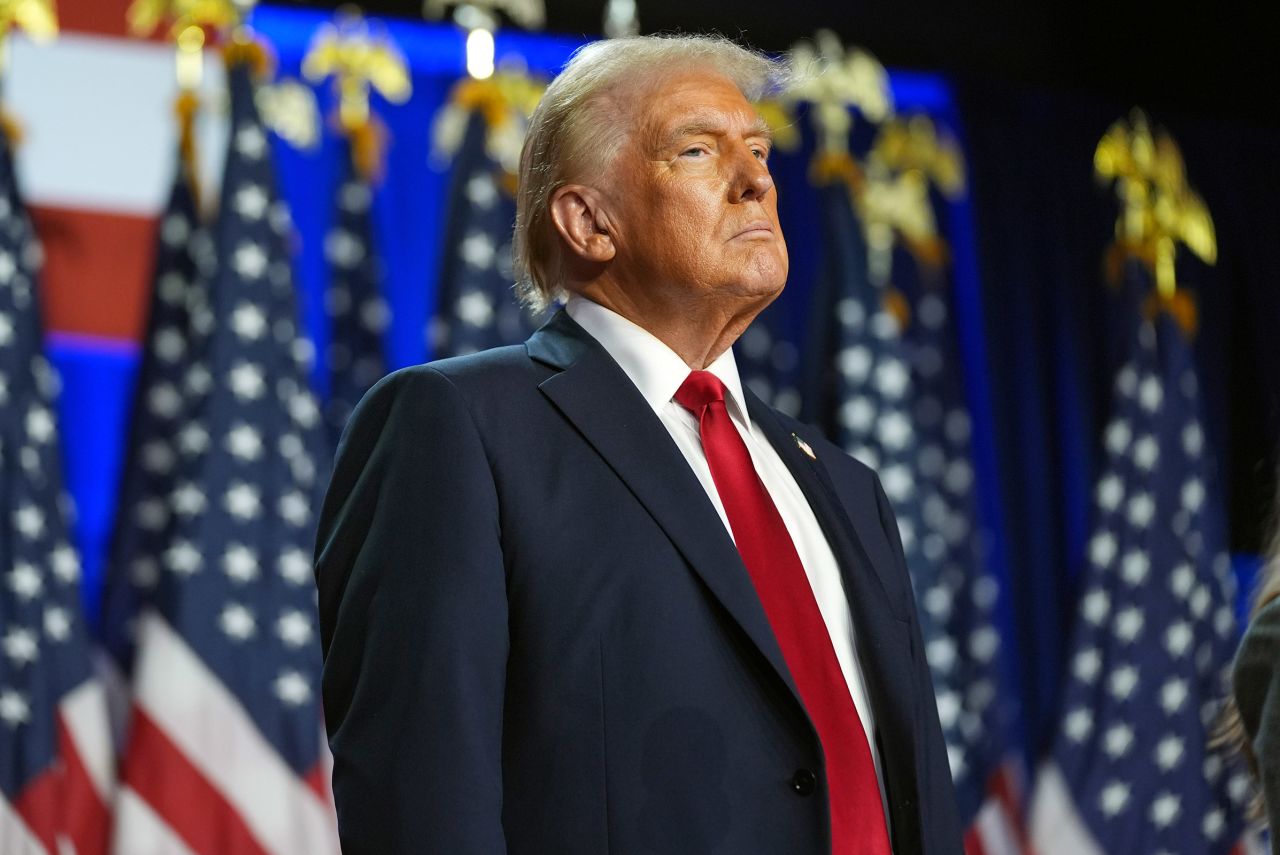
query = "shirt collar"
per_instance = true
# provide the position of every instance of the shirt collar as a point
(653, 367)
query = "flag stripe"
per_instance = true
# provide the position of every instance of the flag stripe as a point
(147, 832)
(157, 770)
(1056, 827)
(15, 837)
(97, 270)
(89, 737)
(67, 93)
(85, 816)
(214, 733)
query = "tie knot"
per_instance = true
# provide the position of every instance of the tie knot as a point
(699, 389)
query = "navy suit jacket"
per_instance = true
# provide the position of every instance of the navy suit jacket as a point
(539, 638)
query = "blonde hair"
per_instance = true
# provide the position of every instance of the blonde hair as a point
(582, 120)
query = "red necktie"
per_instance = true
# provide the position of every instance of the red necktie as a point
(857, 814)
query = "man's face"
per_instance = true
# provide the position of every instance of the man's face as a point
(695, 210)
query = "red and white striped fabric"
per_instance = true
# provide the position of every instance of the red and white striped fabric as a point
(998, 828)
(96, 111)
(199, 778)
(66, 809)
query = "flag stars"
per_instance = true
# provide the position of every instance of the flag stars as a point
(894, 431)
(249, 261)
(251, 202)
(183, 558)
(855, 363)
(481, 192)
(294, 566)
(1123, 681)
(1192, 495)
(1169, 752)
(1146, 451)
(1215, 822)
(237, 622)
(303, 409)
(243, 501)
(29, 520)
(14, 709)
(1097, 605)
(857, 414)
(1114, 798)
(244, 442)
(475, 309)
(6, 328)
(294, 628)
(1141, 509)
(1110, 492)
(39, 424)
(1079, 724)
(891, 379)
(20, 646)
(164, 401)
(295, 509)
(1118, 437)
(65, 564)
(251, 142)
(157, 457)
(1102, 549)
(188, 499)
(1117, 740)
(247, 382)
(170, 345)
(1182, 579)
(1164, 810)
(240, 563)
(248, 322)
(1134, 567)
(477, 250)
(1192, 440)
(1087, 664)
(343, 249)
(24, 580)
(1173, 695)
(1151, 393)
(292, 688)
(1128, 624)
(57, 623)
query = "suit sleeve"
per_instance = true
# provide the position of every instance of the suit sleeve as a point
(940, 815)
(413, 619)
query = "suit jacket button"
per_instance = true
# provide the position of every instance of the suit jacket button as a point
(804, 782)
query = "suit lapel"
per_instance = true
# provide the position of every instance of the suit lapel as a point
(594, 393)
(883, 638)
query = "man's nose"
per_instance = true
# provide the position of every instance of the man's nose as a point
(753, 181)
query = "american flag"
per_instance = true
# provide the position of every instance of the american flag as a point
(901, 411)
(171, 378)
(476, 306)
(56, 766)
(358, 313)
(1131, 769)
(224, 751)
(769, 360)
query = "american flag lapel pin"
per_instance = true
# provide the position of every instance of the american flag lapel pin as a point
(804, 446)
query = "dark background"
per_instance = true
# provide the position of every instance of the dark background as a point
(1212, 59)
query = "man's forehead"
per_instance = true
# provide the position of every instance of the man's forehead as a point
(695, 102)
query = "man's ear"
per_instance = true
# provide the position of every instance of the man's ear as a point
(578, 218)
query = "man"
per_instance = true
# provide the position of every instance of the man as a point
(588, 595)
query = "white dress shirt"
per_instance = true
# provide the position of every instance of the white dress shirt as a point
(658, 372)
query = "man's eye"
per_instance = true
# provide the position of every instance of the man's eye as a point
(761, 153)
(693, 152)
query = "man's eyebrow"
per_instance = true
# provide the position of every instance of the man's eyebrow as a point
(714, 127)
